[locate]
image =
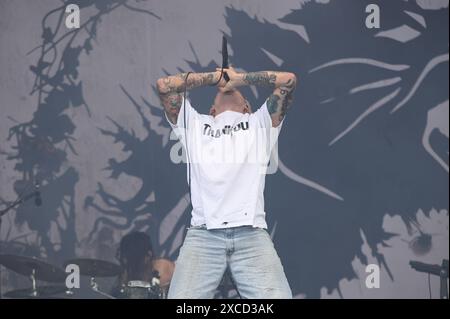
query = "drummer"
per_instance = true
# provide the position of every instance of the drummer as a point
(136, 255)
(141, 269)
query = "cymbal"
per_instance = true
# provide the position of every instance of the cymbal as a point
(165, 269)
(26, 265)
(96, 267)
(40, 292)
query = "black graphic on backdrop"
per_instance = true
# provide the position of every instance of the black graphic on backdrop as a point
(43, 143)
(379, 165)
(360, 126)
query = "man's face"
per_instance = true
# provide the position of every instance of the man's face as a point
(229, 101)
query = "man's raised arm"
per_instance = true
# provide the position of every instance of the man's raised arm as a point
(171, 89)
(283, 83)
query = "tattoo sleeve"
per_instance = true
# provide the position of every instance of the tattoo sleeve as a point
(283, 83)
(263, 78)
(171, 88)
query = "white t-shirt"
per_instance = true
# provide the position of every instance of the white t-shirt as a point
(228, 156)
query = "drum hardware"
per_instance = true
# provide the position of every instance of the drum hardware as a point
(34, 269)
(158, 286)
(24, 196)
(33, 282)
(94, 287)
(95, 268)
(36, 292)
(139, 289)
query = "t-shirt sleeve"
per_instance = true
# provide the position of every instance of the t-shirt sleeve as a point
(263, 119)
(190, 117)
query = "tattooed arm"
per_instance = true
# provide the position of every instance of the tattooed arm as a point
(283, 84)
(171, 89)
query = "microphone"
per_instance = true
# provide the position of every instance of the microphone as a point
(37, 194)
(225, 57)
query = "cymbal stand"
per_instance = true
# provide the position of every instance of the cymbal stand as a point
(33, 283)
(23, 197)
(95, 288)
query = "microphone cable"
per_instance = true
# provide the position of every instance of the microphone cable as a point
(186, 124)
(188, 161)
(222, 75)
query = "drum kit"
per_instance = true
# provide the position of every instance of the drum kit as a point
(156, 289)
(39, 270)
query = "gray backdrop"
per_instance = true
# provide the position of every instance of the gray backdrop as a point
(363, 156)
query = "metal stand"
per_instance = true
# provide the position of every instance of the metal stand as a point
(94, 287)
(20, 199)
(33, 283)
(444, 275)
(438, 270)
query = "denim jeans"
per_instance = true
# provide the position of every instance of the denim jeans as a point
(248, 253)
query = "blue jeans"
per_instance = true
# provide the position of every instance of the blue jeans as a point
(248, 253)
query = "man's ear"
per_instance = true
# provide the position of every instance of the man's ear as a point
(212, 111)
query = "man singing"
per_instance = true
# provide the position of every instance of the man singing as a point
(228, 152)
